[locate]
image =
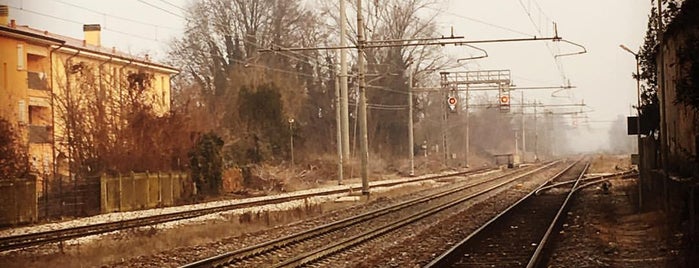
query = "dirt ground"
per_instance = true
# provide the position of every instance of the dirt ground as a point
(605, 229)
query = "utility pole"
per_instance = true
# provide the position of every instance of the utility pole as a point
(411, 138)
(445, 114)
(363, 136)
(524, 141)
(536, 136)
(291, 140)
(468, 143)
(639, 150)
(344, 95)
(338, 121)
(638, 126)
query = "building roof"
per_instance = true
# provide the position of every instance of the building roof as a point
(78, 44)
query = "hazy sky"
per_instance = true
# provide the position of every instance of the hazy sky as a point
(602, 76)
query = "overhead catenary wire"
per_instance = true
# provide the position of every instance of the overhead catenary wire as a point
(244, 41)
(288, 54)
(484, 22)
(537, 27)
(384, 107)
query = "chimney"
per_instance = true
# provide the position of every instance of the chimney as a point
(92, 34)
(4, 14)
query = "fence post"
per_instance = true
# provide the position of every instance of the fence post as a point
(60, 196)
(172, 189)
(160, 190)
(121, 193)
(35, 200)
(15, 204)
(132, 202)
(147, 189)
(103, 194)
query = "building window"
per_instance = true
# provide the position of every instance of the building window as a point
(21, 57)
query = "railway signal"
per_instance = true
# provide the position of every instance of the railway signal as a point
(452, 103)
(504, 98)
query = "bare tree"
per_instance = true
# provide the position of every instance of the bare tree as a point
(108, 122)
(13, 156)
(219, 55)
(394, 20)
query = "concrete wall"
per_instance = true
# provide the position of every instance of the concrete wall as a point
(143, 190)
(682, 120)
(17, 201)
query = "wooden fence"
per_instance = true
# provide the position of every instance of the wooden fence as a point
(143, 190)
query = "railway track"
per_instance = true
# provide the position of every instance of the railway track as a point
(518, 236)
(53, 236)
(318, 244)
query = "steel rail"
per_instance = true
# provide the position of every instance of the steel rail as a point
(603, 179)
(536, 257)
(266, 247)
(324, 252)
(39, 238)
(623, 173)
(451, 254)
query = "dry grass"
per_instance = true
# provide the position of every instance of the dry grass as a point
(609, 163)
(150, 240)
(123, 247)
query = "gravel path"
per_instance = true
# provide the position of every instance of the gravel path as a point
(604, 230)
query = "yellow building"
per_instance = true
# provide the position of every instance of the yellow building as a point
(45, 76)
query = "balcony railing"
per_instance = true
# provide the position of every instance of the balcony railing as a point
(37, 80)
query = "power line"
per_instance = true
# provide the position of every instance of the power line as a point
(81, 23)
(162, 9)
(173, 5)
(44, 14)
(116, 17)
(272, 68)
(133, 35)
(288, 54)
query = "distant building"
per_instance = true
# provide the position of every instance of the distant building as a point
(39, 70)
